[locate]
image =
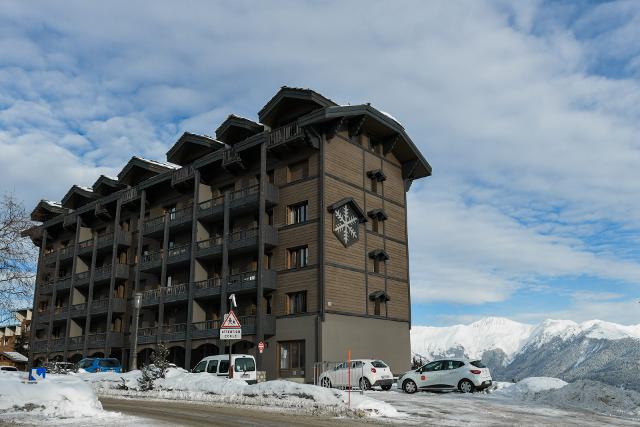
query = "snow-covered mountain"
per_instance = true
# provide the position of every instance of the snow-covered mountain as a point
(594, 349)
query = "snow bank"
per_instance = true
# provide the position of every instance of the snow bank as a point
(529, 386)
(595, 396)
(58, 396)
(182, 385)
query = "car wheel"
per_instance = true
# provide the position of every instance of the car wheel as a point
(386, 387)
(409, 386)
(326, 382)
(466, 386)
(365, 384)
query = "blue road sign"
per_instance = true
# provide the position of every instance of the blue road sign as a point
(37, 374)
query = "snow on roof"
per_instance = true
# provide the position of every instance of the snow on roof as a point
(202, 135)
(110, 177)
(15, 356)
(154, 162)
(52, 203)
(82, 187)
(390, 116)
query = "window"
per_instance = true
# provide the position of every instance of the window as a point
(297, 302)
(268, 300)
(271, 176)
(298, 213)
(244, 364)
(478, 364)
(109, 363)
(298, 257)
(171, 210)
(378, 364)
(433, 366)
(374, 186)
(299, 170)
(375, 225)
(450, 365)
(378, 265)
(212, 367)
(292, 359)
(375, 145)
(224, 367)
(376, 307)
(200, 366)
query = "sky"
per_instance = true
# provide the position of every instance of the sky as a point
(528, 111)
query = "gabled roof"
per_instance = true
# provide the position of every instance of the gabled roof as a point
(191, 146)
(290, 103)
(46, 209)
(139, 169)
(378, 213)
(78, 196)
(106, 185)
(14, 356)
(379, 254)
(235, 129)
(381, 127)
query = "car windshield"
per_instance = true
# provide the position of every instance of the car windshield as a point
(244, 364)
(478, 364)
(378, 364)
(85, 363)
(200, 366)
(109, 363)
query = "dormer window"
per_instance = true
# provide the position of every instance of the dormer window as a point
(377, 217)
(377, 177)
(379, 257)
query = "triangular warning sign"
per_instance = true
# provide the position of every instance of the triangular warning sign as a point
(230, 321)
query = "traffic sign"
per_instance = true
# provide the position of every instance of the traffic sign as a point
(261, 346)
(230, 321)
(37, 374)
(231, 328)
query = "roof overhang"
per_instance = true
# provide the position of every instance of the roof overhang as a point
(290, 103)
(379, 296)
(191, 146)
(379, 214)
(106, 185)
(381, 127)
(379, 254)
(139, 169)
(46, 210)
(78, 196)
(235, 129)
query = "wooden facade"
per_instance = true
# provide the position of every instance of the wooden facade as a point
(249, 213)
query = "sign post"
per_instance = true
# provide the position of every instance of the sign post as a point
(231, 329)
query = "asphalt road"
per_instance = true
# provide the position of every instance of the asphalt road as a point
(170, 412)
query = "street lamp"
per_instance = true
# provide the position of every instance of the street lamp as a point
(137, 304)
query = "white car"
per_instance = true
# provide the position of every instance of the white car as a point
(447, 374)
(365, 373)
(243, 365)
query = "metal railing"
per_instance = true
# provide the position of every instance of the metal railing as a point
(154, 224)
(208, 204)
(244, 192)
(181, 215)
(284, 133)
(181, 175)
(176, 251)
(152, 256)
(208, 243)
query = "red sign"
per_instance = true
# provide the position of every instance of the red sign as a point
(422, 378)
(261, 346)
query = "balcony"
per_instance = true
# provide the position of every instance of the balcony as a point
(248, 281)
(101, 306)
(154, 226)
(176, 293)
(130, 195)
(211, 328)
(66, 253)
(209, 248)
(147, 335)
(181, 178)
(63, 283)
(179, 254)
(60, 313)
(57, 344)
(247, 199)
(43, 316)
(105, 241)
(151, 260)
(244, 240)
(103, 273)
(45, 288)
(181, 217)
(85, 247)
(96, 340)
(286, 138)
(82, 279)
(101, 211)
(78, 310)
(231, 160)
(177, 332)
(211, 209)
(151, 297)
(207, 288)
(50, 258)
(40, 346)
(69, 221)
(75, 343)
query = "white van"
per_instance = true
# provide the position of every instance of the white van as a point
(244, 366)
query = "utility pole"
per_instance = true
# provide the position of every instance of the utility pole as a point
(137, 304)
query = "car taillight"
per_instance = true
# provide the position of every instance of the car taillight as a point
(373, 370)
(475, 372)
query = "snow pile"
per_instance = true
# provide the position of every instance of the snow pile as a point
(57, 396)
(182, 385)
(529, 386)
(473, 340)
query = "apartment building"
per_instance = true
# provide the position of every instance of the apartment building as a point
(20, 324)
(301, 215)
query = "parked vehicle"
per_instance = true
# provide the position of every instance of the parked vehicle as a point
(60, 367)
(243, 366)
(4, 369)
(365, 373)
(447, 374)
(99, 364)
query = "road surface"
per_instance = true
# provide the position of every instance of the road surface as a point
(171, 412)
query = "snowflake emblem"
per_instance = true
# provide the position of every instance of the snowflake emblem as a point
(346, 224)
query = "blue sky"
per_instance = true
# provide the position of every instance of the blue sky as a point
(529, 113)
